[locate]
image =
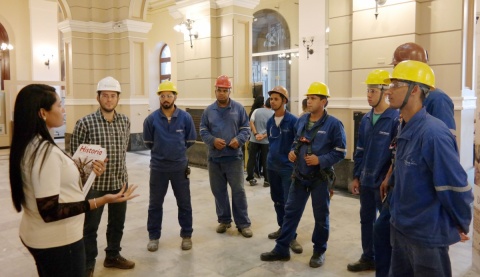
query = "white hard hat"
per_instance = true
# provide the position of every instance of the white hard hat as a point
(109, 83)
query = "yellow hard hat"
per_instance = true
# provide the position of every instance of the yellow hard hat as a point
(167, 86)
(317, 88)
(413, 71)
(377, 77)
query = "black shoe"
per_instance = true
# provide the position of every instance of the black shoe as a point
(317, 260)
(275, 234)
(361, 265)
(273, 256)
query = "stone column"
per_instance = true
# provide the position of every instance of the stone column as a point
(104, 39)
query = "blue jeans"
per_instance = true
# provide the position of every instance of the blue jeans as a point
(297, 200)
(280, 181)
(231, 172)
(67, 260)
(158, 190)
(381, 240)
(413, 259)
(253, 150)
(370, 204)
(116, 221)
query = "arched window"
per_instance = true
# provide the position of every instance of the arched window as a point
(165, 63)
(272, 55)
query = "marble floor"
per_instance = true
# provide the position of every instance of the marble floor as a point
(213, 254)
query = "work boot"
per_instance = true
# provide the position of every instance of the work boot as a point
(222, 227)
(317, 259)
(266, 184)
(296, 247)
(152, 245)
(186, 243)
(275, 234)
(246, 232)
(118, 262)
(253, 182)
(361, 265)
(273, 256)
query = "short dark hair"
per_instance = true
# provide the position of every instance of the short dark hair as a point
(267, 103)
(304, 103)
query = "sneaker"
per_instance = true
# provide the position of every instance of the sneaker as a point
(186, 243)
(296, 247)
(152, 245)
(246, 232)
(266, 184)
(253, 182)
(118, 262)
(273, 256)
(361, 265)
(222, 227)
(275, 234)
(317, 259)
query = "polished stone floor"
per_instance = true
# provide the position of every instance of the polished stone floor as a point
(213, 254)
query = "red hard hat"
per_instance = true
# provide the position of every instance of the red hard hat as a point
(223, 82)
(409, 51)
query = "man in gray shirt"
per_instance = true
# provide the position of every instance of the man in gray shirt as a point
(258, 142)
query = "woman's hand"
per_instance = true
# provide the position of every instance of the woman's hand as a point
(99, 167)
(123, 195)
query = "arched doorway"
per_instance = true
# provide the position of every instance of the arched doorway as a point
(4, 58)
(271, 49)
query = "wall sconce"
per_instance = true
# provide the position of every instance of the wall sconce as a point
(378, 3)
(186, 27)
(46, 60)
(308, 42)
(6, 46)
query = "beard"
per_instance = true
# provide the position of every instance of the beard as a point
(108, 110)
(167, 105)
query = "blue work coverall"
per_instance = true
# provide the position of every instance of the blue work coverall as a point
(226, 165)
(431, 200)
(329, 145)
(372, 160)
(279, 167)
(168, 142)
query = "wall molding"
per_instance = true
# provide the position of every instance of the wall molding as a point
(126, 25)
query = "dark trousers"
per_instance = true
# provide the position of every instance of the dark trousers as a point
(370, 205)
(381, 240)
(253, 150)
(116, 221)
(158, 189)
(412, 259)
(280, 181)
(297, 200)
(62, 261)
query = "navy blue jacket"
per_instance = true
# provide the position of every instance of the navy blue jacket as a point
(431, 198)
(439, 104)
(373, 157)
(280, 139)
(225, 123)
(169, 141)
(329, 143)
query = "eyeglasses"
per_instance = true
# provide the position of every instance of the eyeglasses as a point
(169, 96)
(398, 85)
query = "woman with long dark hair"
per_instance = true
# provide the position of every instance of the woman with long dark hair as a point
(46, 183)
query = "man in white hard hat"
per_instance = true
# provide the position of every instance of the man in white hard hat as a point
(168, 132)
(111, 130)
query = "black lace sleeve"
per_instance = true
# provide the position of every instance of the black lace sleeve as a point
(51, 210)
